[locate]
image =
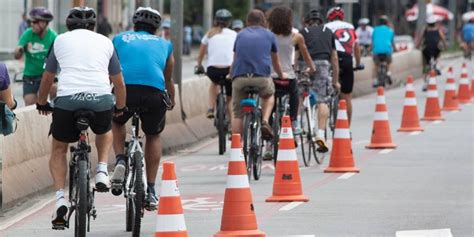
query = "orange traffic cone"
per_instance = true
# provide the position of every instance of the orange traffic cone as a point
(287, 181)
(410, 120)
(238, 215)
(472, 86)
(341, 153)
(381, 137)
(464, 94)
(170, 219)
(451, 102)
(432, 110)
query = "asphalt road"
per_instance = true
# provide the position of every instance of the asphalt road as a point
(425, 184)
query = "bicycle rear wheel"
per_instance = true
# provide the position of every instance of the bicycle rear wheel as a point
(129, 205)
(221, 124)
(139, 198)
(306, 137)
(82, 191)
(247, 143)
(276, 132)
(257, 148)
(333, 118)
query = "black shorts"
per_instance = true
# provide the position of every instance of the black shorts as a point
(219, 74)
(346, 73)
(429, 53)
(63, 127)
(150, 100)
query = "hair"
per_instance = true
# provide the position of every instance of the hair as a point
(140, 26)
(256, 18)
(281, 20)
(72, 27)
(217, 28)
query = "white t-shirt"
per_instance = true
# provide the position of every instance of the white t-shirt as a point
(220, 48)
(364, 37)
(83, 57)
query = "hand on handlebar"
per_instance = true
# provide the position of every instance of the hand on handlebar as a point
(310, 71)
(199, 70)
(44, 109)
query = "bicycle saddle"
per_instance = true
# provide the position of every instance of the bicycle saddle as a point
(251, 89)
(82, 118)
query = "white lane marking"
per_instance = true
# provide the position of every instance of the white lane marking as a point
(346, 175)
(415, 133)
(437, 122)
(360, 142)
(425, 233)
(386, 151)
(300, 236)
(290, 206)
(455, 111)
(28, 212)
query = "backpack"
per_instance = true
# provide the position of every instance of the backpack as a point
(7, 120)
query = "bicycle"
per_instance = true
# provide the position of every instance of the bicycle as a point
(280, 109)
(135, 184)
(253, 141)
(382, 77)
(428, 68)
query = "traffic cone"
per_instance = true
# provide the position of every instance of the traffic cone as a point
(238, 215)
(451, 102)
(287, 180)
(381, 137)
(170, 219)
(464, 93)
(410, 120)
(472, 86)
(432, 110)
(341, 154)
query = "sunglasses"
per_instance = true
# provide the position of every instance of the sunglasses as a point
(35, 22)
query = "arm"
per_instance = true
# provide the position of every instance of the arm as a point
(119, 90)
(357, 54)
(419, 40)
(202, 52)
(335, 68)
(304, 52)
(443, 39)
(7, 96)
(276, 65)
(46, 82)
(168, 77)
(18, 53)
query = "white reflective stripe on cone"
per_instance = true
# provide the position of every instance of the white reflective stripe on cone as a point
(238, 181)
(450, 87)
(432, 94)
(380, 99)
(342, 115)
(464, 81)
(169, 188)
(236, 154)
(342, 133)
(410, 101)
(381, 116)
(286, 155)
(172, 222)
(432, 81)
(286, 133)
(410, 87)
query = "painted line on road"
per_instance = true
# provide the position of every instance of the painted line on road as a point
(299, 235)
(386, 151)
(361, 142)
(290, 206)
(24, 214)
(425, 233)
(415, 133)
(437, 122)
(346, 175)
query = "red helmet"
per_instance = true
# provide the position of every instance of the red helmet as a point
(335, 13)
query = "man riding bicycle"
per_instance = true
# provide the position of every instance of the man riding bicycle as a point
(382, 46)
(467, 38)
(147, 61)
(364, 36)
(321, 45)
(346, 46)
(88, 64)
(35, 44)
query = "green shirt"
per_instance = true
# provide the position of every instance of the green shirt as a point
(36, 54)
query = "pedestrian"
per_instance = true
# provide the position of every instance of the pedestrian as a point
(187, 40)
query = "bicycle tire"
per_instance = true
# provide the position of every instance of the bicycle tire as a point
(334, 109)
(139, 197)
(276, 132)
(257, 148)
(304, 137)
(129, 205)
(81, 198)
(221, 124)
(246, 145)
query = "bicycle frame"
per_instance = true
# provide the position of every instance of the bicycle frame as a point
(133, 146)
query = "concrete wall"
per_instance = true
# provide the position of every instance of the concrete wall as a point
(25, 154)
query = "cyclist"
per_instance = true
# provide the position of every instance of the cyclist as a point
(382, 44)
(322, 47)
(147, 61)
(218, 44)
(430, 41)
(364, 35)
(88, 64)
(467, 38)
(255, 51)
(35, 43)
(346, 46)
(280, 23)
(5, 90)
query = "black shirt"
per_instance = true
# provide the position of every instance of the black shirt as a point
(320, 41)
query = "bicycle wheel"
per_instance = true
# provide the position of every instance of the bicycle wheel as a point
(139, 197)
(333, 118)
(257, 148)
(302, 136)
(247, 145)
(276, 131)
(81, 199)
(129, 205)
(306, 137)
(221, 124)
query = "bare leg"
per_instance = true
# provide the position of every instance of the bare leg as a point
(213, 92)
(58, 164)
(152, 156)
(267, 107)
(348, 98)
(119, 134)
(104, 143)
(323, 113)
(30, 99)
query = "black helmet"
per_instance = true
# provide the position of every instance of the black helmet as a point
(147, 15)
(383, 20)
(312, 15)
(41, 14)
(84, 17)
(223, 16)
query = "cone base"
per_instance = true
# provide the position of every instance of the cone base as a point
(437, 118)
(451, 109)
(465, 101)
(341, 170)
(249, 233)
(289, 198)
(381, 146)
(414, 129)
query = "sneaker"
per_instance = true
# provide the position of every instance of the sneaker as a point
(118, 177)
(151, 201)
(375, 84)
(59, 218)
(268, 155)
(210, 113)
(102, 182)
(322, 146)
(267, 133)
(296, 128)
(425, 86)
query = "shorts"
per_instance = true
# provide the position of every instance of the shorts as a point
(377, 57)
(219, 74)
(149, 99)
(31, 84)
(267, 89)
(429, 53)
(346, 73)
(322, 81)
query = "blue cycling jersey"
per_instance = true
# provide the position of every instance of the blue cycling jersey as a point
(382, 39)
(143, 58)
(468, 32)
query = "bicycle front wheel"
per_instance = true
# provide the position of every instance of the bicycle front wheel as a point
(82, 191)
(139, 197)
(334, 108)
(221, 124)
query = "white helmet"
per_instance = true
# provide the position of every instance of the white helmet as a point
(364, 21)
(431, 19)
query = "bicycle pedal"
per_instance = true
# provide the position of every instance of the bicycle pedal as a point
(59, 226)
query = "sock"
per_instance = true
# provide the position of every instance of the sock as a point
(321, 133)
(101, 167)
(59, 194)
(151, 187)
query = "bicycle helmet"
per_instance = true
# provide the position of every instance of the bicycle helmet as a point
(313, 15)
(223, 16)
(41, 14)
(431, 19)
(147, 15)
(83, 17)
(383, 19)
(335, 13)
(364, 21)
